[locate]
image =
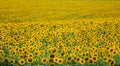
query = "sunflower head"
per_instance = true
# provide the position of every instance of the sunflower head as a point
(44, 60)
(30, 60)
(21, 61)
(60, 61)
(12, 61)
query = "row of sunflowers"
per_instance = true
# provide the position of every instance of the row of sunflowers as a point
(76, 43)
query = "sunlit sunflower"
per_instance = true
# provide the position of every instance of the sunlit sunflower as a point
(22, 61)
(82, 61)
(36, 53)
(60, 61)
(30, 55)
(90, 61)
(30, 60)
(44, 60)
(1, 52)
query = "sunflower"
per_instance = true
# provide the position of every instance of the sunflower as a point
(26, 52)
(52, 64)
(16, 48)
(60, 61)
(13, 52)
(27, 45)
(36, 53)
(6, 59)
(111, 50)
(112, 63)
(94, 58)
(40, 52)
(23, 48)
(108, 59)
(86, 59)
(16, 44)
(35, 45)
(36, 59)
(90, 61)
(30, 60)
(30, 55)
(114, 52)
(55, 59)
(82, 61)
(50, 60)
(44, 60)
(20, 50)
(69, 58)
(21, 61)
(1, 47)
(6, 44)
(54, 50)
(1, 52)
(12, 61)
(75, 57)
(31, 48)
(78, 59)
(52, 56)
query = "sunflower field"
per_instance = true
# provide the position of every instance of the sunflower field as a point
(35, 34)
